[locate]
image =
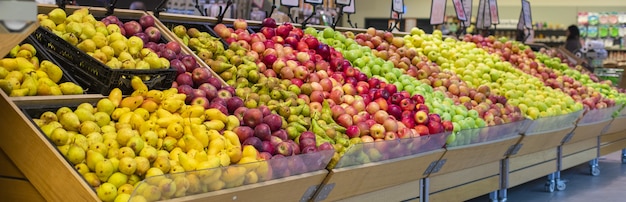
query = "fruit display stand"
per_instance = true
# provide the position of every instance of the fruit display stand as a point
(468, 171)
(615, 137)
(410, 159)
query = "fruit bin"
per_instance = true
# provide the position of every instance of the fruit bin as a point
(92, 73)
(298, 176)
(362, 169)
(593, 124)
(546, 133)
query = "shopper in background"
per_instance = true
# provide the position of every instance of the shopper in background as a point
(137, 5)
(573, 42)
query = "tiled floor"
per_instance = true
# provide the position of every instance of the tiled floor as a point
(609, 186)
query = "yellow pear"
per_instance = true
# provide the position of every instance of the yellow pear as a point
(127, 165)
(118, 179)
(81, 168)
(6, 86)
(57, 15)
(92, 179)
(104, 169)
(93, 158)
(69, 88)
(143, 164)
(126, 188)
(106, 192)
(76, 154)
(70, 121)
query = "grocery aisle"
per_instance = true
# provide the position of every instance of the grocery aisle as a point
(609, 186)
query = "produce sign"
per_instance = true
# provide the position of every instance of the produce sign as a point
(350, 9)
(467, 7)
(493, 10)
(290, 3)
(460, 10)
(437, 12)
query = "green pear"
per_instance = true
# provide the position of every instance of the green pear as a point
(142, 64)
(113, 152)
(151, 193)
(125, 152)
(127, 165)
(112, 30)
(76, 154)
(127, 188)
(118, 179)
(88, 31)
(62, 111)
(135, 44)
(48, 117)
(100, 40)
(93, 158)
(48, 128)
(104, 169)
(122, 197)
(92, 179)
(81, 168)
(136, 143)
(151, 138)
(88, 127)
(94, 137)
(80, 141)
(107, 192)
(119, 47)
(116, 163)
(134, 179)
(149, 152)
(143, 164)
(100, 148)
(59, 136)
(57, 15)
(102, 119)
(84, 115)
(124, 135)
(87, 45)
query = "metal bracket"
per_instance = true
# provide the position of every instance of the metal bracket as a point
(430, 167)
(606, 128)
(440, 164)
(160, 8)
(308, 194)
(516, 149)
(324, 192)
(568, 137)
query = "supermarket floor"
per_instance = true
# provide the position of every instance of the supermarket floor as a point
(609, 186)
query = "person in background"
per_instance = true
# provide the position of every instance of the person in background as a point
(573, 43)
(137, 5)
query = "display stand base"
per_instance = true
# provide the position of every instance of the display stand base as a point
(579, 152)
(532, 143)
(378, 177)
(528, 167)
(465, 184)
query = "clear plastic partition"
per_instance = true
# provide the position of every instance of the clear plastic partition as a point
(360, 154)
(553, 123)
(486, 134)
(598, 115)
(171, 186)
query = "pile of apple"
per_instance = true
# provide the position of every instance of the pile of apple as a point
(524, 59)
(493, 109)
(130, 45)
(22, 74)
(477, 67)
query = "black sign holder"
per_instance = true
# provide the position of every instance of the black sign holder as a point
(306, 20)
(396, 21)
(160, 8)
(272, 10)
(203, 12)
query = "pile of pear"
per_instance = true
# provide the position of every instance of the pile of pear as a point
(21, 74)
(105, 43)
(178, 149)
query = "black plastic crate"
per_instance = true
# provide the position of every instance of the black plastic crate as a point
(203, 27)
(95, 76)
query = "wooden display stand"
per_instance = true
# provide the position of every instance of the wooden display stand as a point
(619, 126)
(527, 167)
(612, 142)
(575, 153)
(402, 174)
(589, 131)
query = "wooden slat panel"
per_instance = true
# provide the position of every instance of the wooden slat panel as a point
(520, 162)
(579, 158)
(618, 125)
(18, 190)
(588, 131)
(574, 147)
(38, 160)
(357, 180)
(284, 189)
(531, 173)
(612, 147)
(612, 137)
(396, 193)
(10, 40)
(446, 181)
(8, 168)
(539, 142)
(467, 191)
(463, 157)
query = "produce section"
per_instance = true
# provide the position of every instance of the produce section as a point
(311, 111)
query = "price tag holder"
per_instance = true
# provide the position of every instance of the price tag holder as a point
(314, 2)
(343, 2)
(350, 9)
(467, 7)
(493, 10)
(437, 12)
(460, 10)
(397, 6)
(290, 3)
(525, 17)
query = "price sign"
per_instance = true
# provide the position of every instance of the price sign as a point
(258, 3)
(460, 10)
(528, 20)
(343, 2)
(397, 6)
(493, 10)
(314, 2)
(481, 14)
(351, 9)
(467, 7)
(394, 15)
(487, 15)
(290, 3)
(437, 12)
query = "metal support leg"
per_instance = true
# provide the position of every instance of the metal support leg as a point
(594, 167)
(554, 179)
(624, 156)
(493, 196)
(504, 180)
(551, 183)
(424, 189)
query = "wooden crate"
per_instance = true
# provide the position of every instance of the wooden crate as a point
(465, 184)
(356, 180)
(468, 156)
(541, 141)
(589, 131)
